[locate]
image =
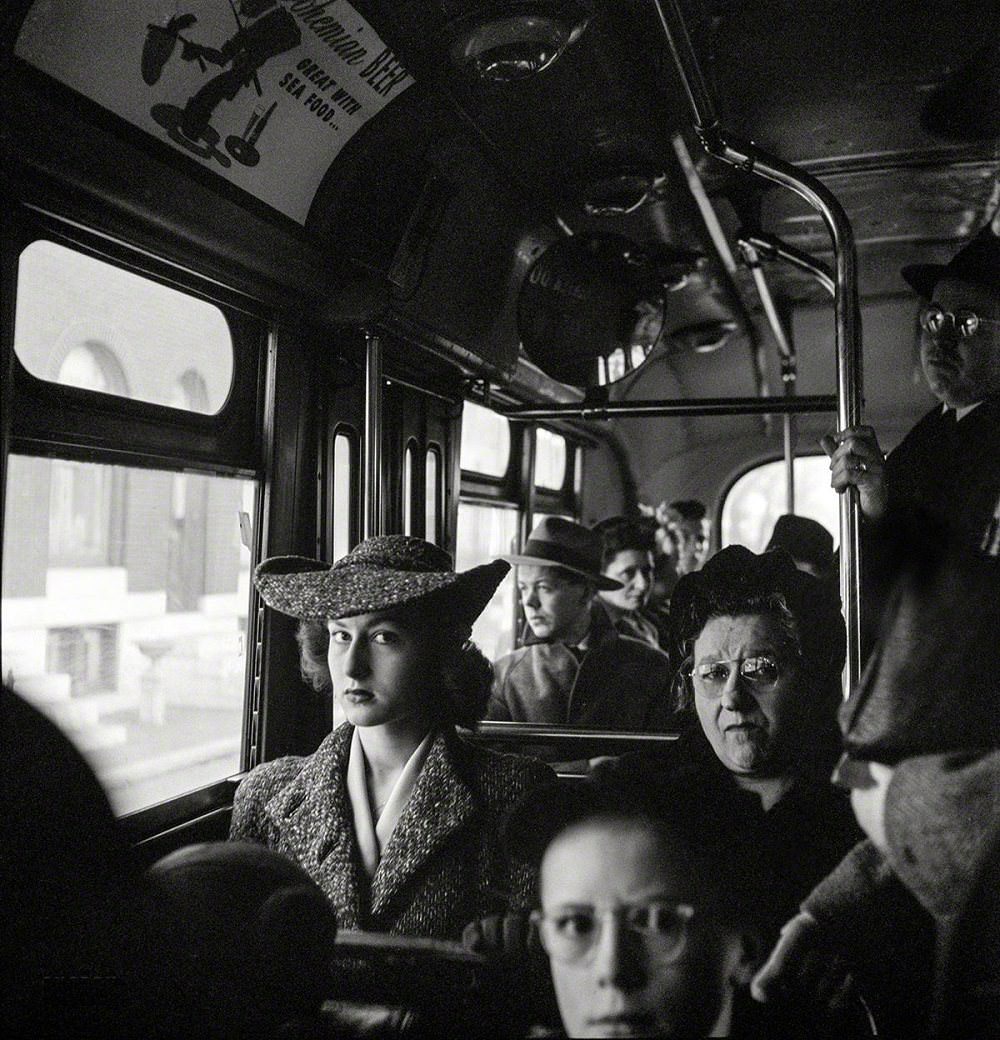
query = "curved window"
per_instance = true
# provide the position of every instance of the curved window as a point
(485, 441)
(550, 460)
(82, 322)
(757, 499)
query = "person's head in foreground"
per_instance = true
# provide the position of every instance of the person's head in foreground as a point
(558, 575)
(960, 321)
(626, 557)
(760, 646)
(387, 628)
(930, 686)
(644, 918)
(252, 939)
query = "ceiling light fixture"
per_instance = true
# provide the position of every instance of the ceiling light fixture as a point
(519, 44)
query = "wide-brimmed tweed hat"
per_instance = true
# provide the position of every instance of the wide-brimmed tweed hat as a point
(977, 262)
(556, 542)
(382, 573)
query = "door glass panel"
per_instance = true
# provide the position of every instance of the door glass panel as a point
(408, 490)
(343, 505)
(432, 477)
(124, 618)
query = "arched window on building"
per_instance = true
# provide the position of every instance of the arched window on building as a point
(86, 514)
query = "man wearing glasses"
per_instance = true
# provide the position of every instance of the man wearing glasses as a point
(947, 469)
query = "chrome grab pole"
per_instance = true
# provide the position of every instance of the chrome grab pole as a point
(747, 157)
(684, 406)
(373, 435)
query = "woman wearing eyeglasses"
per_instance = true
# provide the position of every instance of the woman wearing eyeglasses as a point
(761, 646)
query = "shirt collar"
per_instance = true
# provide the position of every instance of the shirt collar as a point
(960, 413)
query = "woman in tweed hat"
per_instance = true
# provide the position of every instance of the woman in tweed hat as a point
(395, 816)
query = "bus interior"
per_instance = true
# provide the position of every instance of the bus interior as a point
(282, 274)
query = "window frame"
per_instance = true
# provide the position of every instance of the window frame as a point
(63, 422)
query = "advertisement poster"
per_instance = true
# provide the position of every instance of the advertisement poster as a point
(263, 92)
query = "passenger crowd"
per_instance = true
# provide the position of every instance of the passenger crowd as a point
(721, 885)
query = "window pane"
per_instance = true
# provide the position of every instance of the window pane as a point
(485, 441)
(343, 506)
(484, 533)
(82, 322)
(408, 490)
(757, 499)
(126, 621)
(550, 460)
(432, 481)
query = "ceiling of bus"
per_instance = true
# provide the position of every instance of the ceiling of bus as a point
(445, 187)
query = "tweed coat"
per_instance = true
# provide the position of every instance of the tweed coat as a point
(444, 864)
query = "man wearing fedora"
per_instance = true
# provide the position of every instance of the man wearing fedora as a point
(946, 472)
(574, 667)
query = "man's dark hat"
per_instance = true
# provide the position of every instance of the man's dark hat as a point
(978, 262)
(382, 573)
(932, 683)
(556, 542)
(735, 575)
(803, 539)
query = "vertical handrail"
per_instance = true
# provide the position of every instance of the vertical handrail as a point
(751, 159)
(373, 435)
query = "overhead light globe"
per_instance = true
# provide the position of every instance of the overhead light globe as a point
(516, 46)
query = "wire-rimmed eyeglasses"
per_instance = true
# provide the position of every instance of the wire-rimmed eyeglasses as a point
(760, 670)
(571, 934)
(966, 323)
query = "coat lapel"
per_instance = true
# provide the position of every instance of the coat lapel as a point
(441, 804)
(313, 817)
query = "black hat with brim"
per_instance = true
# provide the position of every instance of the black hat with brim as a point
(734, 575)
(978, 263)
(557, 542)
(386, 572)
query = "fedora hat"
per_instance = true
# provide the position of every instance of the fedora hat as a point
(978, 262)
(556, 542)
(382, 573)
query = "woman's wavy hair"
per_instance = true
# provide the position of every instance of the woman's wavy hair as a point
(464, 679)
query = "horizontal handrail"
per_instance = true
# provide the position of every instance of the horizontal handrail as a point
(691, 406)
(525, 732)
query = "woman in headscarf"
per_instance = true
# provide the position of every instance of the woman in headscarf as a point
(395, 816)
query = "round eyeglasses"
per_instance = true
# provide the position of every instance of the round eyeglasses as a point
(571, 934)
(761, 670)
(966, 323)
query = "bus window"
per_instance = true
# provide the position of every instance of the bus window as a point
(757, 498)
(484, 533)
(550, 460)
(82, 322)
(127, 623)
(485, 441)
